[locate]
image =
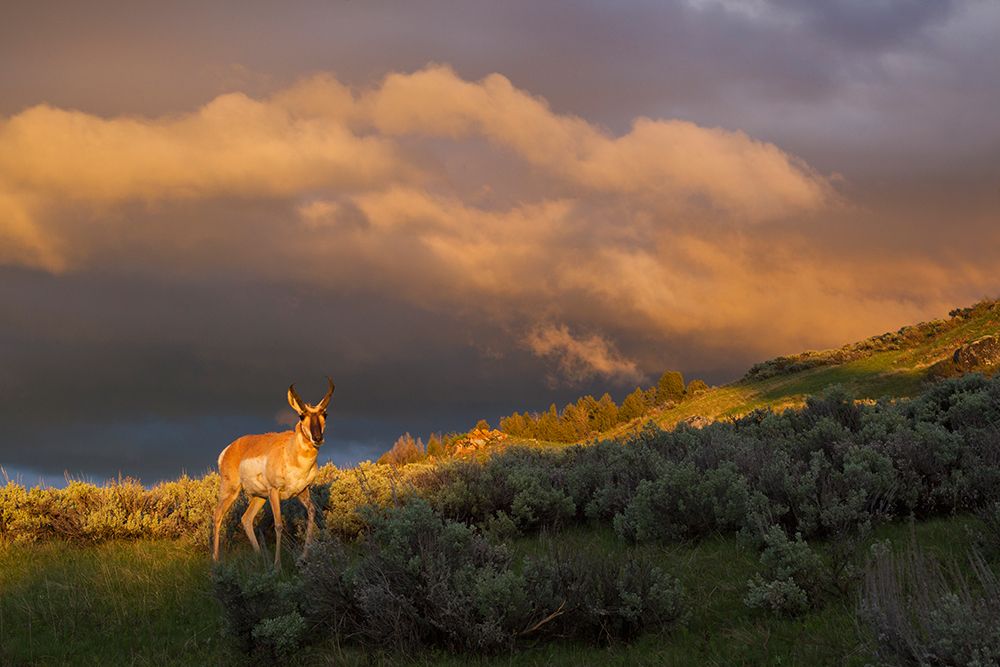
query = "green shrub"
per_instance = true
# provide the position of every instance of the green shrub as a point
(423, 580)
(528, 486)
(366, 484)
(592, 596)
(186, 506)
(538, 501)
(326, 597)
(259, 611)
(419, 580)
(22, 517)
(121, 509)
(783, 596)
(605, 478)
(281, 635)
(683, 501)
(793, 575)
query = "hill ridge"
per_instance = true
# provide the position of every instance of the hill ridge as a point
(893, 364)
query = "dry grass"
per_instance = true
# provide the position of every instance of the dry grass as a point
(922, 610)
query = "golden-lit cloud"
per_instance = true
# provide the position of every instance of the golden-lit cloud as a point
(22, 241)
(467, 196)
(318, 135)
(581, 358)
(667, 163)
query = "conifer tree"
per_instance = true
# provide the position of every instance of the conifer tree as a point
(435, 447)
(577, 418)
(650, 397)
(633, 406)
(670, 387)
(548, 424)
(695, 387)
(405, 450)
(605, 415)
(515, 425)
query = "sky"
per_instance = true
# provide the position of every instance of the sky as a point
(458, 210)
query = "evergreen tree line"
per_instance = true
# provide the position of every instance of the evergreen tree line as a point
(589, 415)
(577, 421)
(408, 449)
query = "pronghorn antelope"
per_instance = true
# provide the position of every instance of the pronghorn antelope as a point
(275, 467)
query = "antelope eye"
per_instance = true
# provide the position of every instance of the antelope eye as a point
(324, 415)
(301, 417)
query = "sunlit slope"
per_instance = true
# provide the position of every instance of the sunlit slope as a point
(896, 364)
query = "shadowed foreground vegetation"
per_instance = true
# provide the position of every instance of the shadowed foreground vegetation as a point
(151, 602)
(739, 542)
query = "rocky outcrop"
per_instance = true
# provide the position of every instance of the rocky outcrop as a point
(479, 439)
(696, 421)
(979, 355)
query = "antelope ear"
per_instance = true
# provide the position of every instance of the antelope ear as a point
(326, 399)
(295, 401)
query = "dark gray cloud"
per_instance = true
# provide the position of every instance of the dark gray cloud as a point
(127, 373)
(872, 26)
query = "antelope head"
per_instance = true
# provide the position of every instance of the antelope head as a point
(312, 418)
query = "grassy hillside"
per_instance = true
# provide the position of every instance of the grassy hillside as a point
(895, 364)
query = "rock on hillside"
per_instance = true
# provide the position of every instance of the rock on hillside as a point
(697, 421)
(479, 439)
(980, 354)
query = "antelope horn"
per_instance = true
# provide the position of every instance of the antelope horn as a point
(326, 399)
(295, 400)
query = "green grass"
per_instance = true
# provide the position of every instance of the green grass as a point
(150, 602)
(136, 602)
